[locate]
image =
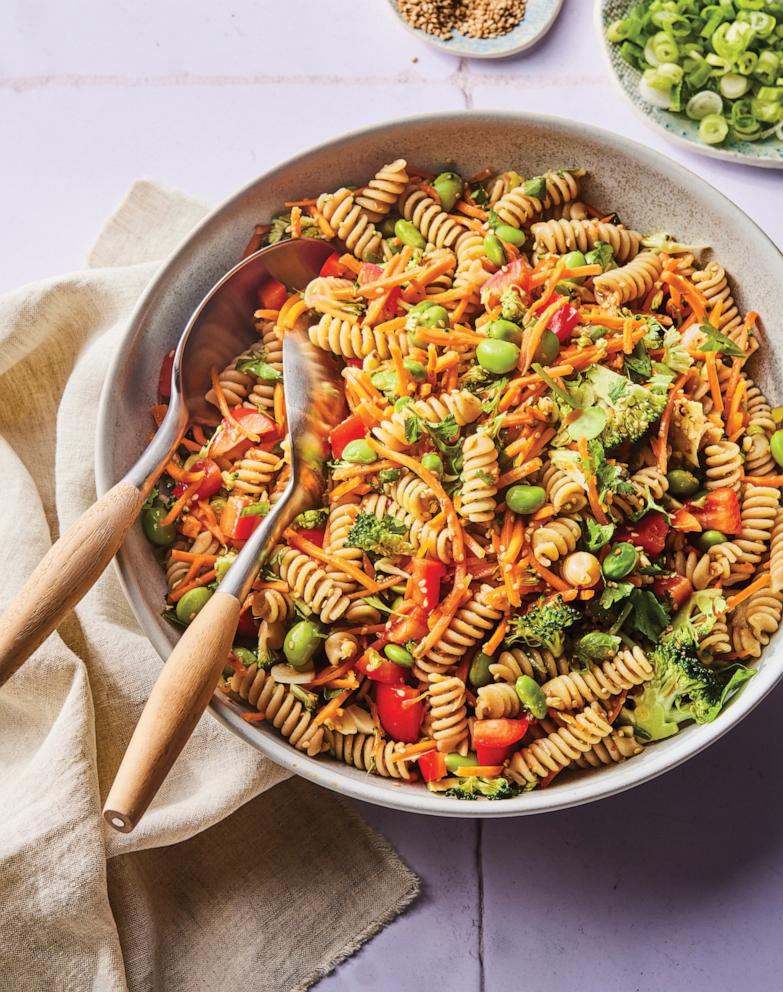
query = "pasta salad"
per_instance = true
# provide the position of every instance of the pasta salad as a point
(551, 534)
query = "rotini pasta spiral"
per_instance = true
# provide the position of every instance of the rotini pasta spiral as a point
(341, 518)
(470, 268)
(369, 753)
(459, 403)
(759, 509)
(203, 544)
(272, 605)
(280, 707)
(517, 208)
(310, 583)
(564, 493)
(351, 224)
(468, 625)
(262, 394)
(346, 338)
(448, 713)
(570, 210)
(557, 750)
(382, 192)
(556, 237)
(754, 621)
(776, 554)
(254, 473)
(444, 282)
(496, 701)
(427, 216)
(647, 482)
(340, 646)
(712, 283)
(539, 665)
(421, 533)
(628, 668)
(479, 478)
(618, 746)
(413, 495)
(629, 282)
(235, 385)
(555, 538)
(723, 465)
(716, 642)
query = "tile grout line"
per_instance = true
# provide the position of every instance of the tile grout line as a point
(480, 885)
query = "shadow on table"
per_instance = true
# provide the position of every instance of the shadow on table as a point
(659, 888)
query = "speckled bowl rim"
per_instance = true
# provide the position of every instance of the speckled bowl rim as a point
(482, 48)
(711, 151)
(415, 798)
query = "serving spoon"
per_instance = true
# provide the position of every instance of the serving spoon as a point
(185, 685)
(220, 328)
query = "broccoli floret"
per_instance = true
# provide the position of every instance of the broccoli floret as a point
(511, 305)
(681, 689)
(474, 787)
(312, 519)
(630, 408)
(382, 536)
(543, 625)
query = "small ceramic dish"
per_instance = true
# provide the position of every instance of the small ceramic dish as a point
(651, 191)
(766, 154)
(539, 17)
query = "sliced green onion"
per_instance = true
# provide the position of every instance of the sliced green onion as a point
(713, 129)
(733, 86)
(617, 31)
(702, 104)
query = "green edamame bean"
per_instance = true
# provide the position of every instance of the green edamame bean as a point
(531, 695)
(387, 225)
(710, 538)
(620, 561)
(398, 654)
(245, 655)
(433, 463)
(511, 234)
(456, 760)
(525, 499)
(385, 380)
(421, 307)
(402, 402)
(505, 330)
(776, 447)
(548, 349)
(359, 452)
(497, 356)
(572, 260)
(448, 186)
(192, 603)
(409, 234)
(301, 643)
(435, 316)
(479, 673)
(156, 531)
(682, 482)
(416, 369)
(494, 250)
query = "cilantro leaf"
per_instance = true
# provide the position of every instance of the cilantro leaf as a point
(535, 187)
(639, 361)
(648, 617)
(387, 475)
(601, 254)
(413, 426)
(149, 502)
(258, 367)
(719, 342)
(615, 593)
(598, 535)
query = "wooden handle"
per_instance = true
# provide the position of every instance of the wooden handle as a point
(65, 574)
(178, 699)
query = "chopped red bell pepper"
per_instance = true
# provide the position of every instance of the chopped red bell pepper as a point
(212, 480)
(315, 535)
(498, 733)
(674, 588)
(369, 272)
(272, 294)
(164, 382)
(423, 587)
(234, 525)
(228, 441)
(335, 268)
(379, 669)
(248, 625)
(432, 765)
(563, 321)
(649, 533)
(408, 624)
(516, 273)
(490, 754)
(400, 711)
(351, 429)
(717, 510)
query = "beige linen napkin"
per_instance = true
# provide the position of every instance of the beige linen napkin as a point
(219, 887)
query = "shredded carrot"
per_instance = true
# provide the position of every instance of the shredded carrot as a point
(202, 580)
(413, 751)
(224, 408)
(332, 707)
(300, 203)
(358, 470)
(434, 484)
(325, 227)
(554, 580)
(266, 314)
(441, 617)
(484, 771)
(471, 210)
(403, 375)
(666, 418)
(497, 638)
(695, 299)
(350, 262)
(181, 503)
(775, 481)
(535, 333)
(379, 587)
(177, 555)
(295, 539)
(180, 475)
(254, 717)
(278, 404)
(344, 488)
(296, 222)
(592, 488)
(734, 418)
(521, 472)
(463, 303)
(712, 379)
(331, 672)
(756, 586)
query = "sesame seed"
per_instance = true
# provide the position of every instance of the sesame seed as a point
(473, 18)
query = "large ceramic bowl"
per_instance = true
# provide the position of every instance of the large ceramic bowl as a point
(646, 189)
